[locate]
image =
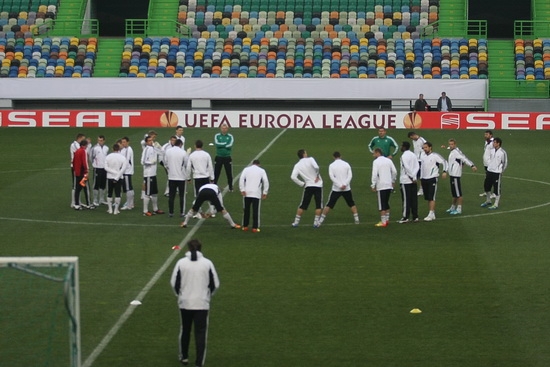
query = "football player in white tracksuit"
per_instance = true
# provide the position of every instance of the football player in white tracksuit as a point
(98, 153)
(456, 160)
(306, 174)
(212, 194)
(340, 174)
(429, 173)
(115, 166)
(149, 159)
(418, 143)
(254, 186)
(408, 183)
(127, 186)
(175, 160)
(194, 280)
(498, 162)
(383, 178)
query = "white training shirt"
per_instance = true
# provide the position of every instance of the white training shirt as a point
(194, 282)
(115, 165)
(498, 161)
(456, 160)
(72, 149)
(430, 168)
(128, 153)
(417, 147)
(182, 138)
(149, 159)
(487, 151)
(308, 170)
(98, 154)
(254, 182)
(200, 165)
(383, 173)
(175, 161)
(409, 167)
(340, 174)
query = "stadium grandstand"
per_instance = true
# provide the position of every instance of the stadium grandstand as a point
(221, 47)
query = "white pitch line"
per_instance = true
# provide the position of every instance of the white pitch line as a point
(130, 309)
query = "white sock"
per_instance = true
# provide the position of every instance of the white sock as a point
(356, 217)
(155, 200)
(322, 218)
(459, 208)
(316, 219)
(146, 203)
(497, 200)
(488, 194)
(297, 219)
(453, 207)
(188, 216)
(117, 203)
(228, 218)
(130, 199)
(96, 194)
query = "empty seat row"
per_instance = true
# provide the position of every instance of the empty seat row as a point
(532, 59)
(267, 5)
(47, 57)
(305, 58)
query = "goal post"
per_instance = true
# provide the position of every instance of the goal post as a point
(66, 272)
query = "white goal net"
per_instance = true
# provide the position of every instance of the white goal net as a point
(39, 297)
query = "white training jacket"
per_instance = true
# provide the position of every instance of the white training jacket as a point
(456, 160)
(487, 151)
(308, 170)
(254, 182)
(200, 165)
(149, 159)
(128, 153)
(98, 154)
(115, 165)
(498, 161)
(430, 165)
(384, 173)
(175, 161)
(340, 174)
(409, 167)
(417, 147)
(194, 282)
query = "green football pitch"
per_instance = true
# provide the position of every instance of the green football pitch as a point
(339, 295)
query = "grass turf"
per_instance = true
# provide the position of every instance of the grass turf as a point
(339, 295)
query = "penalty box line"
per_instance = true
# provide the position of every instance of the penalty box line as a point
(141, 295)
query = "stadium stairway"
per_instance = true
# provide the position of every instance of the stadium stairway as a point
(502, 66)
(109, 57)
(70, 10)
(541, 10)
(454, 13)
(163, 10)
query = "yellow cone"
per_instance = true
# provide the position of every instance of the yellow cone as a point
(416, 310)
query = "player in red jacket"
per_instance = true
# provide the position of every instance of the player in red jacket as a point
(80, 169)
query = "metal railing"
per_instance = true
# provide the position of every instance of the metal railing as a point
(538, 89)
(531, 29)
(156, 28)
(455, 29)
(74, 27)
